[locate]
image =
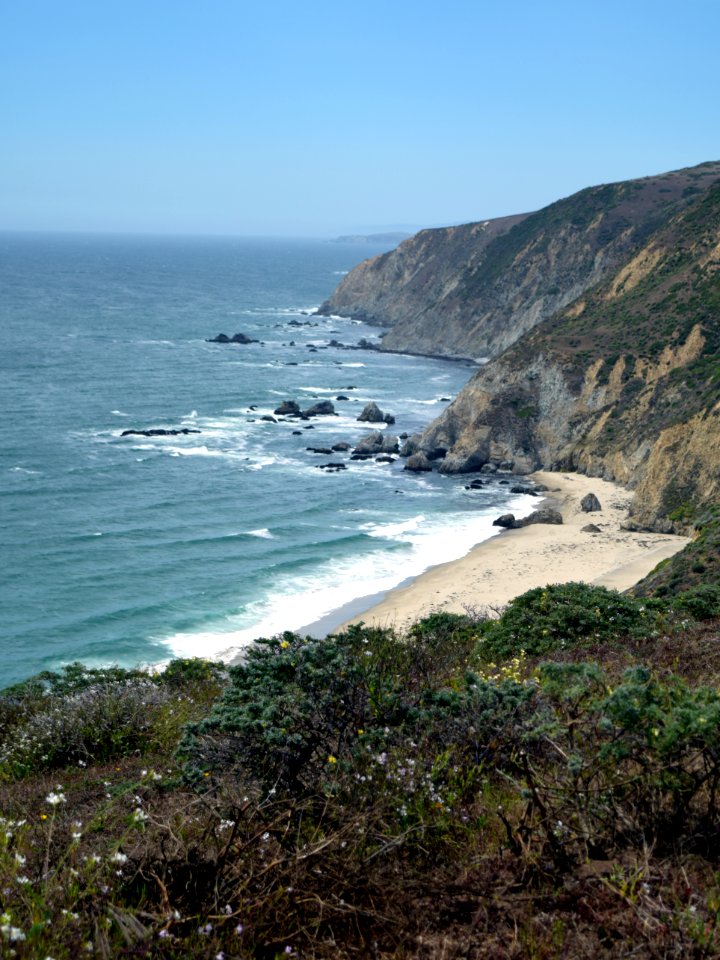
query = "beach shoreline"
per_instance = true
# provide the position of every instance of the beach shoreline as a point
(505, 566)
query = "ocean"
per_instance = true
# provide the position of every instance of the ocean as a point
(135, 549)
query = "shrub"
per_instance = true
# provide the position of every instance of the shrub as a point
(297, 705)
(702, 602)
(565, 615)
(635, 765)
(82, 715)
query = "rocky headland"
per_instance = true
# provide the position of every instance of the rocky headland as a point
(601, 318)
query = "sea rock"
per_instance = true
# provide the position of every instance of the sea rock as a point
(340, 447)
(361, 456)
(489, 468)
(436, 453)
(326, 451)
(268, 419)
(474, 485)
(385, 459)
(331, 467)
(507, 520)
(236, 338)
(519, 488)
(371, 413)
(411, 445)
(390, 445)
(389, 419)
(158, 432)
(462, 463)
(288, 408)
(322, 409)
(341, 396)
(372, 443)
(590, 503)
(418, 462)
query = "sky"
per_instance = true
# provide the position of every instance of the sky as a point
(315, 118)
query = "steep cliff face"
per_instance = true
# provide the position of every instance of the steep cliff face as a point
(417, 279)
(473, 291)
(624, 383)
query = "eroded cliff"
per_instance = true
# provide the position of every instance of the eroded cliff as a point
(623, 383)
(474, 290)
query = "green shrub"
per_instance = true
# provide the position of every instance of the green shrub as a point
(565, 615)
(701, 602)
(297, 707)
(81, 715)
(635, 765)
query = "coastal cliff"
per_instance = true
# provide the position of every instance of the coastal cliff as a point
(473, 290)
(623, 383)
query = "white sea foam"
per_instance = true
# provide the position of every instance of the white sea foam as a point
(263, 533)
(119, 413)
(296, 601)
(194, 452)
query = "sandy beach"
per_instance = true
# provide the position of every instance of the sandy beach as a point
(517, 560)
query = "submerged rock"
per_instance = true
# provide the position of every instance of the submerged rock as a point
(158, 432)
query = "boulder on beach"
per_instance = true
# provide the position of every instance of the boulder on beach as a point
(543, 515)
(507, 520)
(590, 503)
(591, 528)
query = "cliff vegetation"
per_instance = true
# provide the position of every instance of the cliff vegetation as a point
(545, 784)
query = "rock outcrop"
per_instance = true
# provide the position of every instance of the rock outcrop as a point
(623, 383)
(474, 290)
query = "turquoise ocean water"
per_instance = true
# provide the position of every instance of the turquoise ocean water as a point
(132, 550)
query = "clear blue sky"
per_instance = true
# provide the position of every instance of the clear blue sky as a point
(316, 117)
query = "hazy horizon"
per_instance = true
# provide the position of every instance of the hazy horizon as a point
(317, 121)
